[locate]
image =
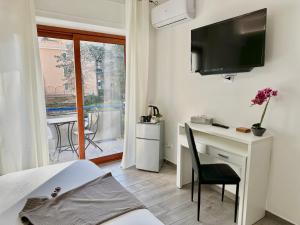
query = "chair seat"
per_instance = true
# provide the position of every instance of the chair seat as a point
(218, 174)
(85, 132)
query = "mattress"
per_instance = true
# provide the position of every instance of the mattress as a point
(17, 187)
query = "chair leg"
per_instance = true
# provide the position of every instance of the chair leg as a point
(223, 189)
(94, 144)
(192, 190)
(236, 202)
(86, 138)
(199, 198)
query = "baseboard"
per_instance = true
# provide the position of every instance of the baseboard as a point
(170, 163)
(268, 214)
(279, 219)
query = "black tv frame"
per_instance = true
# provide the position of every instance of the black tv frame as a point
(241, 69)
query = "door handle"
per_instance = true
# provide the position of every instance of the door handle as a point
(223, 156)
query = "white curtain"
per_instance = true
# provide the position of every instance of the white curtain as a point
(23, 132)
(137, 69)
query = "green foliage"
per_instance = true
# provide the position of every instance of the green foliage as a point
(92, 100)
(66, 61)
(102, 56)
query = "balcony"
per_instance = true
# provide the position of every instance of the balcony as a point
(102, 82)
(108, 136)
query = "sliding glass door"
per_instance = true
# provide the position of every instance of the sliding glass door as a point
(57, 62)
(84, 79)
(103, 79)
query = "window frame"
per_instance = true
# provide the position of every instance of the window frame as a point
(77, 36)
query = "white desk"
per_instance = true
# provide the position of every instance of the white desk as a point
(248, 155)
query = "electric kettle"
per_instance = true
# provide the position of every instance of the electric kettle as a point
(153, 110)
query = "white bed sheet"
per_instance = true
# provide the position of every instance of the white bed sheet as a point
(17, 187)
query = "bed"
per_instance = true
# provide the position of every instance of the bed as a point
(17, 187)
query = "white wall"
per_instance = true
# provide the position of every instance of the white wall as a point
(180, 94)
(107, 13)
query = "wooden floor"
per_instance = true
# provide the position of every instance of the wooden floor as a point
(173, 206)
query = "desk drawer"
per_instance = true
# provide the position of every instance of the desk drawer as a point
(225, 156)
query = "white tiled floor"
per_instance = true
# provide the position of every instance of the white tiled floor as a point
(173, 206)
(109, 147)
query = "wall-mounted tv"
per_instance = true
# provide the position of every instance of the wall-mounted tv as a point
(231, 46)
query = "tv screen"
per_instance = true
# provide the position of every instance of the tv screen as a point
(231, 46)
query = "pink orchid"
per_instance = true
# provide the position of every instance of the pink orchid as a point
(262, 96)
(274, 93)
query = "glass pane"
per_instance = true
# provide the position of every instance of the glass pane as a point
(57, 60)
(103, 70)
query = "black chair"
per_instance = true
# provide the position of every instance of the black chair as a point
(210, 173)
(91, 129)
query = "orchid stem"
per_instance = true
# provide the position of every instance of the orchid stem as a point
(264, 112)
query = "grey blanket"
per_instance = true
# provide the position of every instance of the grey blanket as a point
(90, 204)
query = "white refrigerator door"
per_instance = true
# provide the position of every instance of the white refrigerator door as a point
(147, 154)
(148, 131)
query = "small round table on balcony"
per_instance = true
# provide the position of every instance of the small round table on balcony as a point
(58, 122)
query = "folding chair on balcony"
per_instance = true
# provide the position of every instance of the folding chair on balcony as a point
(91, 130)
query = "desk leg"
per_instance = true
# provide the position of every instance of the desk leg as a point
(184, 167)
(256, 183)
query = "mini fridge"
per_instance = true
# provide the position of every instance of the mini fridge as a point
(149, 146)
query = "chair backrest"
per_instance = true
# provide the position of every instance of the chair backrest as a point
(193, 149)
(93, 121)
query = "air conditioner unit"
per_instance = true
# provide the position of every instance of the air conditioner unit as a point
(172, 12)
